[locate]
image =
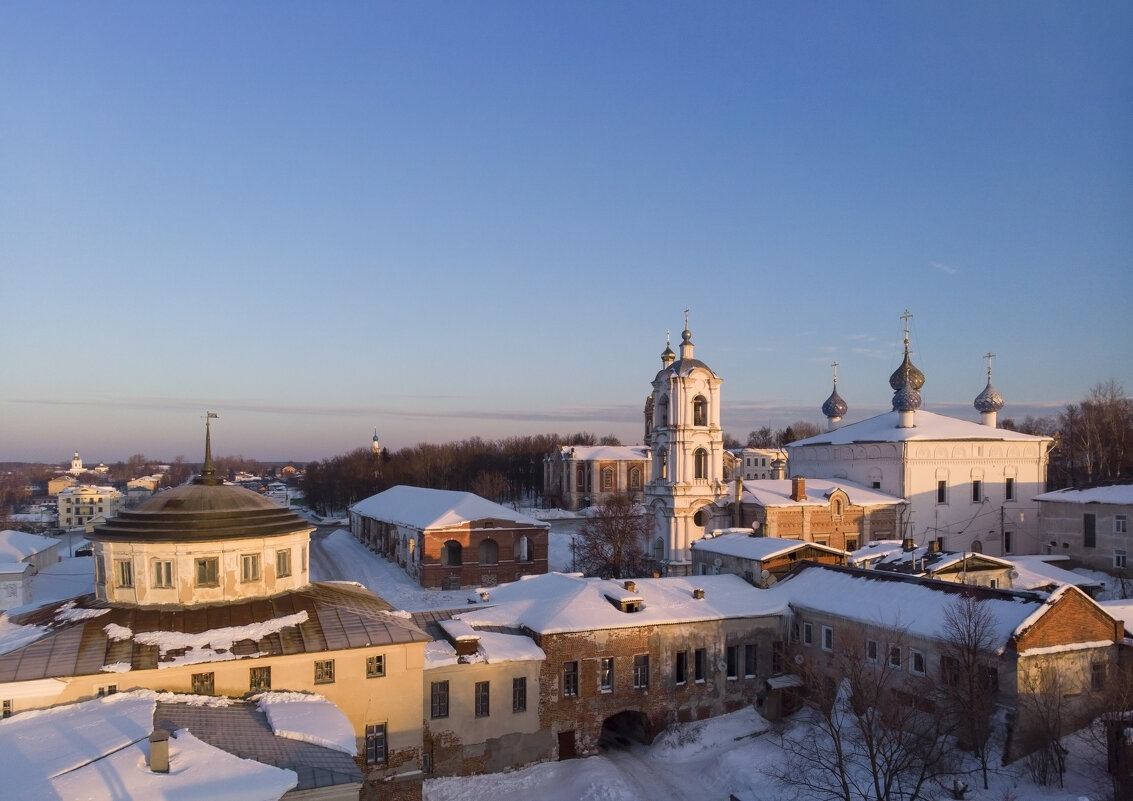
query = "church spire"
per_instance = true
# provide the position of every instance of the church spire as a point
(208, 475)
(686, 340)
(906, 382)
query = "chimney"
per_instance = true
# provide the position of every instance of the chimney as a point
(698, 594)
(798, 488)
(159, 751)
(934, 546)
(908, 544)
(630, 586)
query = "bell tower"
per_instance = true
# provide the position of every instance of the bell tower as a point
(687, 454)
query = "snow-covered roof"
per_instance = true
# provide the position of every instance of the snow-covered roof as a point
(557, 602)
(1037, 572)
(777, 492)
(606, 453)
(1118, 494)
(15, 546)
(494, 647)
(919, 607)
(927, 426)
(99, 750)
(14, 568)
(874, 550)
(745, 546)
(922, 560)
(421, 508)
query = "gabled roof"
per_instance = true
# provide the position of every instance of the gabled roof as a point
(15, 546)
(421, 508)
(745, 546)
(776, 492)
(921, 561)
(1118, 494)
(84, 636)
(556, 603)
(927, 426)
(918, 606)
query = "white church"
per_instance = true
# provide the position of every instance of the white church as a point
(969, 485)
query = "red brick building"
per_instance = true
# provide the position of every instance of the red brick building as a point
(448, 540)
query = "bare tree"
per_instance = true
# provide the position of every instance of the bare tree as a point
(969, 672)
(612, 543)
(761, 438)
(1105, 739)
(877, 735)
(1042, 717)
(492, 486)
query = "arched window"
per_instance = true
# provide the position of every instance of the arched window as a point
(489, 552)
(699, 411)
(659, 548)
(524, 552)
(607, 479)
(663, 411)
(700, 463)
(452, 554)
(977, 546)
(635, 477)
(580, 478)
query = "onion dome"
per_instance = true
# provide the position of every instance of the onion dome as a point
(906, 399)
(834, 405)
(907, 374)
(989, 400)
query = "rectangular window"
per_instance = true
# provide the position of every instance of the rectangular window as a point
(283, 563)
(483, 699)
(208, 572)
(871, 651)
(851, 543)
(7, 709)
(895, 656)
(250, 567)
(1097, 675)
(324, 671)
(1120, 525)
(1118, 558)
(375, 666)
(1089, 530)
(777, 651)
(1009, 489)
(570, 679)
(438, 699)
(124, 571)
(827, 638)
(808, 634)
(109, 689)
(519, 694)
(375, 743)
(259, 679)
(942, 491)
(977, 491)
(1006, 541)
(700, 664)
(606, 674)
(732, 659)
(916, 662)
(641, 671)
(204, 683)
(680, 670)
(162, 575)
(749, 660)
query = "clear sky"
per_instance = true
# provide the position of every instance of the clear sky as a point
(447, 220)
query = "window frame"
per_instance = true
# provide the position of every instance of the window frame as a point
(376, 666)
(915, 656)
(438, 699)
(827, 638)
(941, 491)
(483, 699)
(324, 671)
(680, 668)
(519, 694)
(751, 660)
(606, 674)
(872, 651)
(700, 665)
(570, 679)
(203, 683)
(977, 490)
(259, 679)
(377, 744)
(895, 650)
(249, 568)
(732, 662)
(124, 573)
(206, 571)
(162, 574)
(808, 634)
(641, 671)
(283, 563)
(1009, 488)
(1120, 524)
(1120, 559)
(1089, 530)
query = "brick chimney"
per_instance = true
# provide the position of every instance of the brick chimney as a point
(159, 751)
(798, 488)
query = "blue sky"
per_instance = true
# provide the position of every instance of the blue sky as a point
(448, 220)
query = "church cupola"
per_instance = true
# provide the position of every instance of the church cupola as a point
(989, 402)
(667, 355)
(834, 408)
(906, 382)
(375, 443)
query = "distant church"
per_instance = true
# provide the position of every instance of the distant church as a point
(969, 486)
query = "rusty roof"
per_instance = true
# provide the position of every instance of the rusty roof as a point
(76, 641)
